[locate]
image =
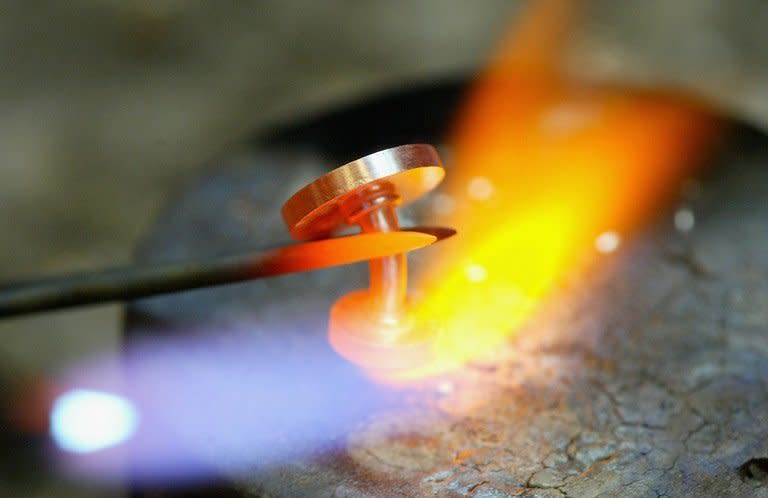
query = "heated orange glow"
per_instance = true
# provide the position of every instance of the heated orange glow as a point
(319, 254)
(541, 167)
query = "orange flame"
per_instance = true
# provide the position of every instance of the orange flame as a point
(541, 166)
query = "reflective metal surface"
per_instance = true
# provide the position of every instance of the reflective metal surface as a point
(315, 210)
(372, 327)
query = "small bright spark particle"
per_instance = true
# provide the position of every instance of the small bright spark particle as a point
(684, 220)
(83, 421)
(476, 273)
(443, 204)
(445, 387)
(480, 188)
(568, 118)
(607, 242)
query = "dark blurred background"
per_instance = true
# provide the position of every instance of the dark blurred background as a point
(110, 107)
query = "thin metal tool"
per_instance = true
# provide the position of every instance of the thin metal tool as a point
(363, 192)
(136, 282)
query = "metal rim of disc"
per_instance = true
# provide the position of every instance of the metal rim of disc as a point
(313, 211)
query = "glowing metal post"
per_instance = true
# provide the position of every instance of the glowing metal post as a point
(373, 209)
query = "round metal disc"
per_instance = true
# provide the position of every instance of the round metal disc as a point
(313, 211)
(356, 332)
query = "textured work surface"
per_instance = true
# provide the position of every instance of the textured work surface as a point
(110, 105)
(649, 377)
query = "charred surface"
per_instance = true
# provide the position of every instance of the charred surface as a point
(646, 377)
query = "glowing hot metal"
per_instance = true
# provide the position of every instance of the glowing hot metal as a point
(371, 327)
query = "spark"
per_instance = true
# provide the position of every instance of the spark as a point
(480, 188)
(684, 220)
(568, 118)
(607, 242)
(476, 273)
